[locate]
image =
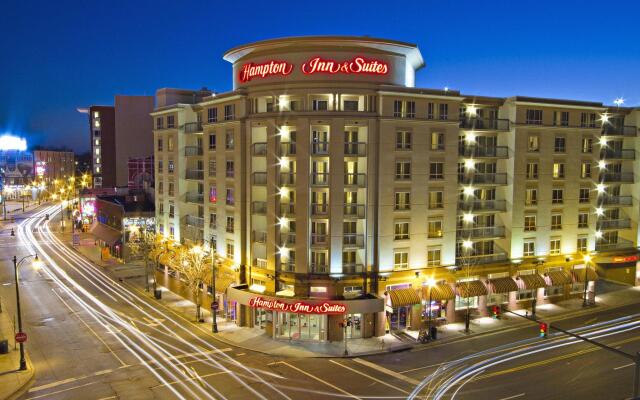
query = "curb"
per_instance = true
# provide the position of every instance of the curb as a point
(22, 389)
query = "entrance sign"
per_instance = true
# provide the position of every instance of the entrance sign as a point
(251, 70)
(357, 65)
(625, 259)
(298, 306)
(21, 337)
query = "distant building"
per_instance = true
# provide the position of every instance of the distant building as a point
(16, 168)
(50, 165)
(140, 173)
(117, 133)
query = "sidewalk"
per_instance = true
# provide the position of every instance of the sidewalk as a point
(254, 339)
(12, 381)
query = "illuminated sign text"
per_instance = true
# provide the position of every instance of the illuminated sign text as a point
(298, 306)
(358, 65)
(270, 68)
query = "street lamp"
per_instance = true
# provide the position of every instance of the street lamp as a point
(36, 263)
(467, 247)
(587, 260)
(430, 283)
(214, 311)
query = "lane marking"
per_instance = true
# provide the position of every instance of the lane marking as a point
(623, 366)
(331, 385)
(389, 372)
(63, 390)
(68, 380)
(513, 397)
(369, 377)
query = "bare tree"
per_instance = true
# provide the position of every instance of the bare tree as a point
(143, 244)
(191, 263)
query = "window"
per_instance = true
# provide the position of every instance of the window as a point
(554, 247)
(559, 144)
(436, 199)
(557, 196)
(533, 117)
(230, 169)
(404, 109)
(402, 200)
(529, 223)
(585, 170)
(558, 170)
(533, 144)
(403, 140)
(160, 123)
(230, 224)
(159, 144)
(411, 109)
(436, 170)
(213, 194)
(400, 259)
(212, 168)
(437, 141)
(587, 145)
(401, 230)
(584, 195)
(229, 197)
(532, 170)
(319, 105)
(564, 118)
(160, 187)
(434, 254)
(587, 120)
(230, 250)
(212, 115)
(434, 229)
(213, 220)
(431, 107)
(350, 105)
(583, 219)
(160, 166)
(403, 170)
(556, 221)
(444, 111)
(171, 121)
(529, 248)
(170, 143)
(228, 142)
(229, 112)
(212, 141)
(582, 244)
(172, 211)
(171, 167)
(531, 197)
(171, 191)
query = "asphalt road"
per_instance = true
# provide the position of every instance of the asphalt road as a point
(93, 337)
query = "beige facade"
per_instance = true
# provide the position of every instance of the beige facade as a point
(339, 184)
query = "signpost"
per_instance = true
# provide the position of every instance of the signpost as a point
(21, 337)
(215, 305)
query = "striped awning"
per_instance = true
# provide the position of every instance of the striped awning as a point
(403, 297)
(439, 292)
(532, 281)
(578, 274)
(471, 288)
(502, 285)
(560, 277)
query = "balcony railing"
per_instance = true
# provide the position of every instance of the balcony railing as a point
(474, 259)
(194, 197)
(482, 205)
(287, 178)
(354, 210)
(485, 124)
(483, 151)
(259, 149)
(612, 130)
(622, 177)
(482, 232)
(259, 207)
(616, 200)
(355, 149)
(287, 208)
(192, 151)
(287, 266)
(620, 244)
(287, 238)
(320, 179)
(319, 268)
(259, 178)
(483, 178)
(193, 127)
(260, 236)
(354, 179)
(287, 149)
(192, 220)
(319, 239)
(319, 210)
(352, 268)
(353, 240)
(320, 148)
(196, 174)
(624, 154)
(609, 224)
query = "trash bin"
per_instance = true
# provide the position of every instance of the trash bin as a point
(434, 333)
(157, 294)
(4, 346)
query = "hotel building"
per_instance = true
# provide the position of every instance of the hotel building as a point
(337, 190)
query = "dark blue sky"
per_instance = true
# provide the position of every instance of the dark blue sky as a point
(60, 55)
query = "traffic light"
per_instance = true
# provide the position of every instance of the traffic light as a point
(496, 312)
(544, 328)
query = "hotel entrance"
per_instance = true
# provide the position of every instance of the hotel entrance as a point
(312, 327)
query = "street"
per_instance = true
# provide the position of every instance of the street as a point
(94, 337)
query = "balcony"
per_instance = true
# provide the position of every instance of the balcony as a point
(479, 124)
(319, 268)
(611, 130)
(624, 154)
(607, 200)
(259, 149)
(287, 238)
(481, 232)
(260, 237)
(194, 174)
(192, 220)
(358, 149)
(287, 149)
(287, 208)
(353, 240)
(319, 210)
(259, 178)
(613, 224)
(482, 205)
(320, 179)
(478, 259)
(483, 178)
(288, 266)
(619, 244)
(355, 179)
(354, 210)
(619, 177)
(193, 127)
(259, 207)
(319, 239)
(190, 151)
(194, 197)
(320, 148)
(287, 178)
(484, 152)
(352, 268)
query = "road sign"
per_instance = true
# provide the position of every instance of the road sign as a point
(215, 305)
(21, 337)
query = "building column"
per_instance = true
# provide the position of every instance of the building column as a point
(482, 306)
(451, 310)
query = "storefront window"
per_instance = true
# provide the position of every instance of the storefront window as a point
(355, 330)
(498, 298)
(311, 327)
(461, 302)
(553, 291)
(525, 294)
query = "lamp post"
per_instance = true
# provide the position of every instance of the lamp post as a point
(430, 283)
(214, 311)
(467, 247)
(587, 259)
(16, 264)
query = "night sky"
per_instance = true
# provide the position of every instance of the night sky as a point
(60, 55)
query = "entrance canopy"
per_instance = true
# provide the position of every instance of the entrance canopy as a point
(471, 289)
(532, 281)
(502, 285)
(439, 292)
(403, 297)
